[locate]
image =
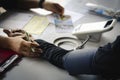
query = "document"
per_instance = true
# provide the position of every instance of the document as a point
(14, 20)
(36, 25)
(41, 11)
(63, 24)
(74, 15)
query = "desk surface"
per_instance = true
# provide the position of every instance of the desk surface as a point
(34, 69)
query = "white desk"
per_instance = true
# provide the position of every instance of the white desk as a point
(33, 69)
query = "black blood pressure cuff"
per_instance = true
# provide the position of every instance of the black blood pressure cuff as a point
(40, 3)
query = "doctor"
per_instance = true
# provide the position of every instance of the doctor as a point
(17, 43)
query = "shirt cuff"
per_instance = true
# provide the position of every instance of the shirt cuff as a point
(40, 3)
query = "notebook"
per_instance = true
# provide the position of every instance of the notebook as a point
(8, 59)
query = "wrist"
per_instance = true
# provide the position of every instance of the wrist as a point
(5, 42)
(41, 3)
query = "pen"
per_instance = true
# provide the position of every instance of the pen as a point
(28, 39)
(62, 17)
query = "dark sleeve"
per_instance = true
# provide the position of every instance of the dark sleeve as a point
(52, 53)
(8, 4)
(107, 57)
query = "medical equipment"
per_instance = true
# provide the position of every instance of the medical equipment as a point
(94, 29)
(103, 10)
(86, 32)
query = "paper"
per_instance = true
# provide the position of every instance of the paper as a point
(14, 20)
(74, 16)
(63, 24)
(36, 25)
(41, 11)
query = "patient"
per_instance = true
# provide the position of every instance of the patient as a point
(101, 61)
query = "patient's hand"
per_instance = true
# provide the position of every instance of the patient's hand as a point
(18, 32)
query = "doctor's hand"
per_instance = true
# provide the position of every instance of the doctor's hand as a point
(54, 7)
(18, 32)
(18, 44)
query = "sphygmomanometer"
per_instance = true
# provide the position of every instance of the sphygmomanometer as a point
(87, 32)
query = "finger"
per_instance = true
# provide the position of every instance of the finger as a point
(33, 48)
(29, 44)
(30, 53)
(16, 34)
(38, 50)
(59, 9)
(11, 34)
(34, 44)
(30, 35)
(23, 36)
(26, 51)
(7, 31)
(18, 30)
